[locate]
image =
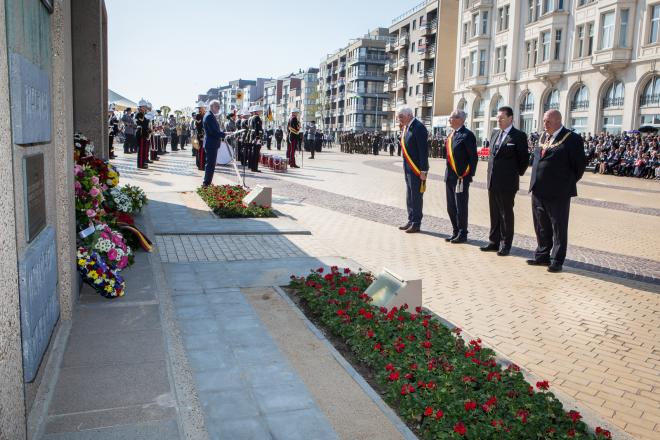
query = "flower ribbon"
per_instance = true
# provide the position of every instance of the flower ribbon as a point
(450, 157)
(411, 164)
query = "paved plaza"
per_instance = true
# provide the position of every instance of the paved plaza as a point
(593, 330)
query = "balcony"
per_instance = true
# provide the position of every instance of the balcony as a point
(429, 27)
(390, 47)
(402, 63)
(649, 100)
(403, 41)
(550, 106)
(318, 114)
(389, 66)
(611, 59)
(477, 83)
(341, 82)
(388, 106)
(549, 70)
(342, 67)
(577, 106)
(371, 59)
(481, 4)
(426, 76)
(427, 121)
(401, 84)
(525, 108)
(428, 53)
(612, 102)
(375, 76)
(425, 100)
(389, 86)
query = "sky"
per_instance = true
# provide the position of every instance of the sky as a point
(169, 51)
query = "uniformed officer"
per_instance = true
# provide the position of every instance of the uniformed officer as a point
(142, 134)
(293, 142)
(199, 130)
(256, 136)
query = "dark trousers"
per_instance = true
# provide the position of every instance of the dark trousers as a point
(175, 142)
(255, 154)
(200, 159)
(279, 143)
(211, 157)
(414, 198)
(457, 207)
(501, 217)
(551, 227)
(129, 143)
(182, 141)
(143, 152)
(153, 149)
(268, 141)
(163, 142)
(291, 148)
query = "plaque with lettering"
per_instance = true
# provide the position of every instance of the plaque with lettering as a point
(35, 195)
(30, 101)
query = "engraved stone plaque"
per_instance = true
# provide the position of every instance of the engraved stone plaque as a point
(30, 101)
(40, 307)
(35, 195)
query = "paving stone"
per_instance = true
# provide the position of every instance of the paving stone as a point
(228, 404)
(199, 326)
(88, 349)
(112, 319)
(144, 431)
(282, 397)
(252, 428)
(219, 379)
(211, 359)
(300, 425)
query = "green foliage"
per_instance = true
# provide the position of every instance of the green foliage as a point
(444, 387)
(227, 201)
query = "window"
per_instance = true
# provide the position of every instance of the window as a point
(419, 66)
(412, 66)
(500, 19)
(473, 63)
(414, 24)
(614, 95)
(464, 69)
(506, 17)
(475, 24)
(607, 37)
(410, 89)
(417, 89)
(466, 4)
(484, 23)
(527, 103)
(499, 103)
(547, 6)
(412, 47)
(482, 63)
(579, 125)
(580, 99)
(552, 101)
(612, 124)
(651, 94)
(530, 11)
(530, 46)
(498, 59)
(623, 28)
(580, 41)
(466, 32)
(557, 43)
(655, 24)
(479, 108)
(545, 43)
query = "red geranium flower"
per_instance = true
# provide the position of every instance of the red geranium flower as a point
(428, 411)
(571, 433)
(439, 414)
(427, 344)
(574, 415)
(544, 385)
(470, 405)
(394, 376)
(459, 428)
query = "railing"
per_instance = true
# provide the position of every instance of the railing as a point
(415, 8)
(526, 108)
(551, 106)
(402, 62)
(612, 102)
(342, 66)
(579, 105)
(479, 114)
(368, 58)
(649, 100)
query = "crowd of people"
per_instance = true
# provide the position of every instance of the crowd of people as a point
(374, 143)
(631, 154)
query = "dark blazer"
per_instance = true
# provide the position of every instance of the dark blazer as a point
(464, 150)
(555, 175)
(510, 162)
(212, 133)
(417, 145)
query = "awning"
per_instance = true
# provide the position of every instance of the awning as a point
(120, 102)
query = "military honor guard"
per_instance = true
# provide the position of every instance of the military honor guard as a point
(279, 135)
(256, 134)
(199, 130)
(293, 138)
(113, 129)
(142, 134)
(559, 163)
(172, 125)
(507, 161)
(461, 166)
(415, 149)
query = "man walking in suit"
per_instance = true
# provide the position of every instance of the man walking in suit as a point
(414, 145)
(508, 160)
(461, 166)
(559, 163)
(212, 137)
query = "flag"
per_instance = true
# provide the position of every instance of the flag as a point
(269, 115)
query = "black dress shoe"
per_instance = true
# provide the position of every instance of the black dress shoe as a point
(412, 230)
(554, 268)
(490, 247)
(453, 237)
(406, 226)
(538, 262)
(459, 240)
(504, 252)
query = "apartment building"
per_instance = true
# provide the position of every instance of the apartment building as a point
(595, 61)
(351, 84)
(415, 45)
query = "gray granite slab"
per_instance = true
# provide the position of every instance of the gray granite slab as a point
(143, 431)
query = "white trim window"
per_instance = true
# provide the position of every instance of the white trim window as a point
(545, 45)
(623, 28)
(557, 44)
(483, 62)
(607, 35)
(654, 31)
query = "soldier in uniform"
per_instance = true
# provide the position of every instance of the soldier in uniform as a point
(199, 130)
(142, 133)
(244, 138)
(173, 134)
(113, 129)
(129, 131)
(256, 136)
(293, 129)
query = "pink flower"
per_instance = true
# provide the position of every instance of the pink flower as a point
(77, 170)
(94, 192)
(77, 185)
(95, 180)
(123, 262)
(112, 254)
(91, 213)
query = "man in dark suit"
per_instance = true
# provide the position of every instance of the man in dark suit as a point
(212, 137)
(414, 145)
(461, 166)
(508, 160)
(559, 163)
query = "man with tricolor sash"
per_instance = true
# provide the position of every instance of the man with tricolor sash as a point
(414, 145)
(461, 165)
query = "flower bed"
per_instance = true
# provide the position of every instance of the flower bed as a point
(227, 201)
(442, 387)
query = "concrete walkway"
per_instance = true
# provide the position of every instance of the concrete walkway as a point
(184, 355)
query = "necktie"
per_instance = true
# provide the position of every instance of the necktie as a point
(498, 144)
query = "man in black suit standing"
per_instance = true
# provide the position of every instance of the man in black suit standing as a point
(508, 159)
(461, 166)
(559, 163)
(415, 149)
